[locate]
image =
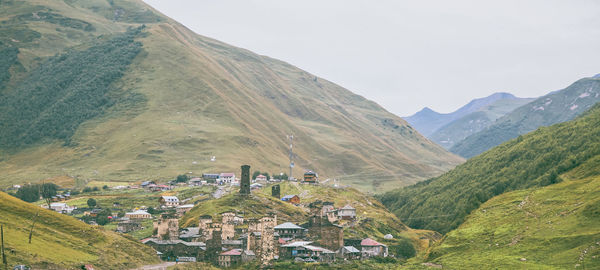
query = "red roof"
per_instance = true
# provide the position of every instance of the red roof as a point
(233, 252)
(161, 186)
(281, 241)
(370, 242)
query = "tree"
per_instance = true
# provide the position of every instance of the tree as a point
(121, 214)
(182, 178)
(95, 189)
(105, 187)
(102, 217)
(91, 202)
(255, 174)
(86, 189)
(28, 193)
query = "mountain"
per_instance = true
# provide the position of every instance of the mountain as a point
(532, 160)
(427, 121)
(553, 108)
(476, 121)
(62, 242)
(555, 227)
(114, 90)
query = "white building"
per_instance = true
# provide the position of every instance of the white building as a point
(226, 178)
(139, 214)
(169, 201)
(61, 208)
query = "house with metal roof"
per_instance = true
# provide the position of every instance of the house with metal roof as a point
(290, 230)
(294, 199)
(372, 248)
(347, 212)
(168, 201)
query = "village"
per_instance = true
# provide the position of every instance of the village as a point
(229, 238)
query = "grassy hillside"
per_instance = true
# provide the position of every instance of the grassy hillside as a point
(555, 227)
(474, 122)
(532, 160)
(63, 242)
(192, 98)
(553, 108)
(374, 220)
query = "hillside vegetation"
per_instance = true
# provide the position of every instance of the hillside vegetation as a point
(553, 108)
(64, 91)
(171, 100)
(532, 160)
(61, 242)
(554, 227)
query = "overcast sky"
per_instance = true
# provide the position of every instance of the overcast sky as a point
(406, 55)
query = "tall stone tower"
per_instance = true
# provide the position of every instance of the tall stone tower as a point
(245, 184)
(276, 191)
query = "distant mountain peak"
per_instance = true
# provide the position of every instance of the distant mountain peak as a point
(427, 121)
(597, 76)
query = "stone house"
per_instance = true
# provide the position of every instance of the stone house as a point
(128, 226)
(290, 230)
(182, 209)
(347, 212)
(167, 228)
(306, 251)
(349, 253)
(190, 234)
(330, 236)
(177, 248)
(235, 257)
(372, 248)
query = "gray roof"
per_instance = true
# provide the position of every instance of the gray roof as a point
(297, 244)
(174, 242)
(190, 232)
(351, 249)
(287, 225)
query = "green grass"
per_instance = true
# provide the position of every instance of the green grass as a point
(60, 241)
(554, 227)
(534, 159)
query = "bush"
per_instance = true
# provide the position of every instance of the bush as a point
(91, 202)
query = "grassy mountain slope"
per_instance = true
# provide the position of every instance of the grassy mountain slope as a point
(553, 108)
(374, 220)
(474, 122)
(554, 227)
(427, 121)
(185, 98)
(60, 241)
(531, 160)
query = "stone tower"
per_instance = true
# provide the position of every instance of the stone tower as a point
(245, 183)
(276, 191)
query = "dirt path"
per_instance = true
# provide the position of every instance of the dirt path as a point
(162, 266)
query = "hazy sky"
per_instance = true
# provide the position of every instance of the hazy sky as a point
(406, 55)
